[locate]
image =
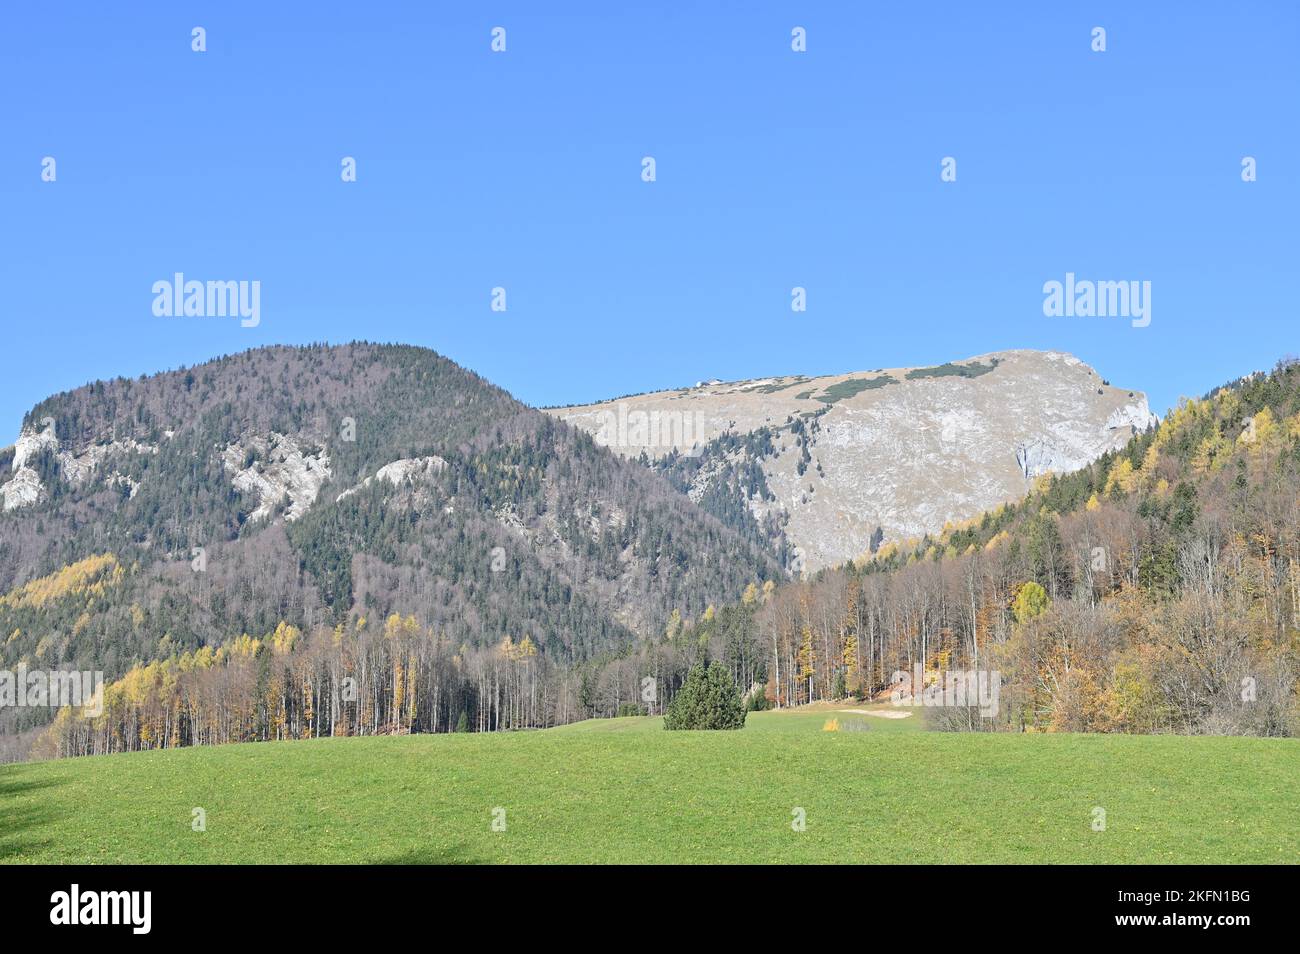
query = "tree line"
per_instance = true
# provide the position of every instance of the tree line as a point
(1157, 590)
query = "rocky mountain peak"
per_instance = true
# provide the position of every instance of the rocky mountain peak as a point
(902, 450)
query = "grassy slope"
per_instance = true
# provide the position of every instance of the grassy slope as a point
(623, 790)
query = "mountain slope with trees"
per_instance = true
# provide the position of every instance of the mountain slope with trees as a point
(316, 487)
(1157, 590)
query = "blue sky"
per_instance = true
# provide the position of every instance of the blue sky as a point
(522, 170)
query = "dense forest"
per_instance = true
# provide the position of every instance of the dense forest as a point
(519, 526)
(381, 677)
(1157, 590)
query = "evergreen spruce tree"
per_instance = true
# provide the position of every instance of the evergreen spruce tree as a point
(708, 699)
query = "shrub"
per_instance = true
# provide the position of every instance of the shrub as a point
(708, 699)
(1031, 600)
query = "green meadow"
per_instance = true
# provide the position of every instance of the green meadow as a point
(625, 791)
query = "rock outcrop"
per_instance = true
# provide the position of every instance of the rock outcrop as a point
(402, 471)
(276, 469)
(77, 467)
(903, 449)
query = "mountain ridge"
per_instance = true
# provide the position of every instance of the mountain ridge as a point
(849, 459)
(297, 484)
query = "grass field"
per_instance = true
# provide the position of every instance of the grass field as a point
(623, 790)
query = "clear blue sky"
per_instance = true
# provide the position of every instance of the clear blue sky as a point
(775, 169)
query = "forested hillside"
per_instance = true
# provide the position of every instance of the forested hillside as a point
(311, 487)
(1156, 590)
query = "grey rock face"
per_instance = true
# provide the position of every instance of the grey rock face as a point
(904, 449)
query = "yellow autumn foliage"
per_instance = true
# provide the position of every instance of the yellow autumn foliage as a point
(997, 540)
(1123, 476)
(89, 577)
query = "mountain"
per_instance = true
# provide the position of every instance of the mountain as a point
(368, 539)
(827, 468)
(318, 485)
(1155, 590)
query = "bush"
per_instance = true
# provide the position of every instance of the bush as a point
(630, 709)
(1031, 600)
(756, 701)
(708, 699)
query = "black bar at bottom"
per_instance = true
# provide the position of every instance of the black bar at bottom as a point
(336, 903)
